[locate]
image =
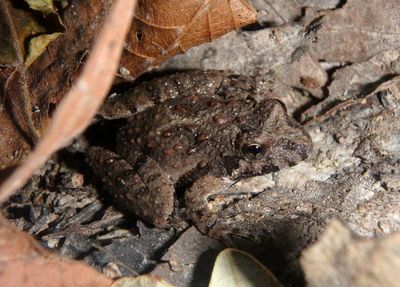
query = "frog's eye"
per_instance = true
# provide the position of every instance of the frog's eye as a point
(253, 151)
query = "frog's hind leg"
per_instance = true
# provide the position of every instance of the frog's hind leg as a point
(147, 191)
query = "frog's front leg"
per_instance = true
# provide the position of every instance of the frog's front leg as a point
(221, 209)
(148, 191)
(208, 196)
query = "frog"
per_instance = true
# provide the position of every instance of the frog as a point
(190, 136)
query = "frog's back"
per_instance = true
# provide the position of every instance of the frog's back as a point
(188, 135)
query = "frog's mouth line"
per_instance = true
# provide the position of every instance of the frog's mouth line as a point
(234, 195)
(227, 196)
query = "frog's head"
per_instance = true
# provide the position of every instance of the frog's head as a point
(269, 140)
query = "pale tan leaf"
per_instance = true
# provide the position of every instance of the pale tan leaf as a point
(234, 268)
(141, 281)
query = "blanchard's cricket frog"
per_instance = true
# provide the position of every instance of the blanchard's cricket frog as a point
(190, 136)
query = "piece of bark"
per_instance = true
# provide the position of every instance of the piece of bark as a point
(136, 254)
(265, 49)
(357, 80)
(189, 261)
(275, 12)
(358, 31)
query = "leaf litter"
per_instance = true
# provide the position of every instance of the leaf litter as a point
(346, 94)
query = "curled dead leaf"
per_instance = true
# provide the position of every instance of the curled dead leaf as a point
(162, 29)
(80, 105)
(24, 37)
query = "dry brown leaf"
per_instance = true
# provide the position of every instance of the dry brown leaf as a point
(23, 262)
(13, 145)
(27, 102)
(82, 102)
(162, 29)
(23, 38)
